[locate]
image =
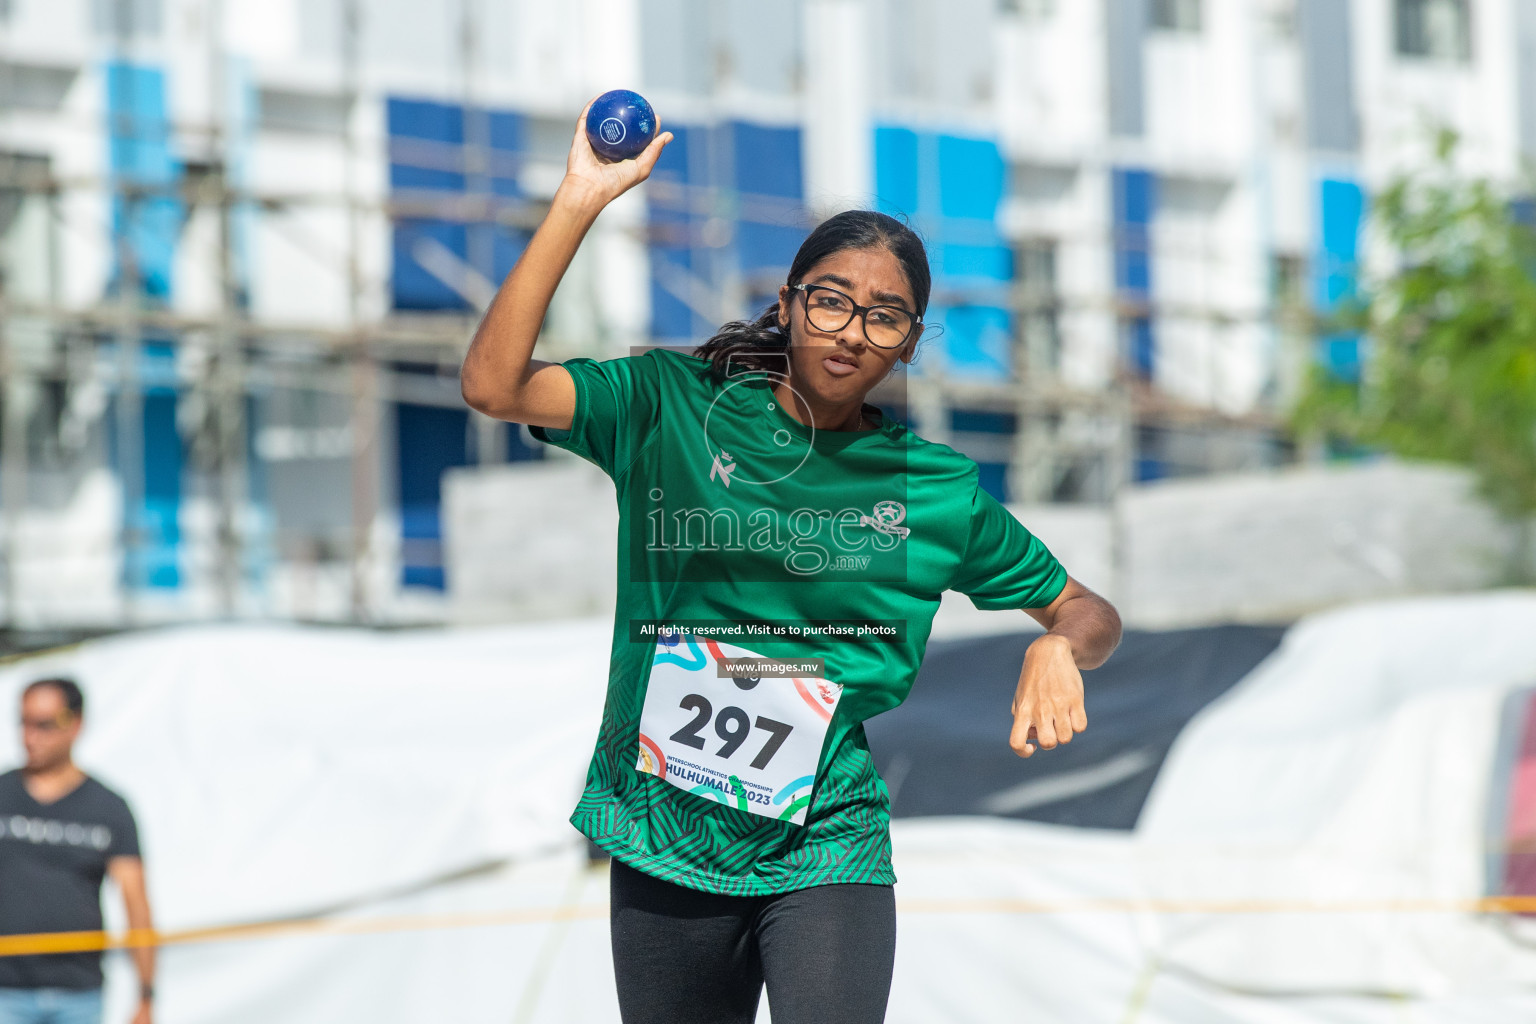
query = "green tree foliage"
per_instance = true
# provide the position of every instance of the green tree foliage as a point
(1450, 369)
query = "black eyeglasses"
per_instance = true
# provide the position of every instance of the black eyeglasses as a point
(829, 311)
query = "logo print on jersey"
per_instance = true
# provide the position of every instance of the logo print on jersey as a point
(888, 515)
(761, 447)
(723, 468)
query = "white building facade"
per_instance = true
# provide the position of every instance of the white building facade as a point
(244, 243)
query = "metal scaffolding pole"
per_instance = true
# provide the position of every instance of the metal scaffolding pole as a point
(13, 464)
(129, 333)
(225, 384)
(1065, 441)
(365, 384)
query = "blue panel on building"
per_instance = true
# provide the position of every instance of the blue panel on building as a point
(978, 338)
(1341, 205)
(1343, 209)
(982, 421)
(427, 155)
(428, 441)
(992, 476)
(153, 558)
(674, 227)
(767, 246)
(749, 175)
(259, 549)
(413, 285)
(521, 447)
(423, 121)
(147, 221)
(157, 368)
(242, 114)
(159, 520)
(970, 178)
(767, 160)
(1140, 347)
(1341, 352)
(506, 247)
(257, 482)
(429, 151)
(1135, 201)
(1135, 196)
(508, 130)
(950, 188)
(1134, 205)
(768, 167)
(146, 226)
(896, 188)
(990, 263)
(139, 132)
(672, 166)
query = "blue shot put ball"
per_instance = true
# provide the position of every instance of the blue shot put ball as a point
(620, 125)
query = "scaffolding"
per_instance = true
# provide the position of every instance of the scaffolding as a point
(75, 386)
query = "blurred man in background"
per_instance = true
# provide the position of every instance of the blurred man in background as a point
(61, 833)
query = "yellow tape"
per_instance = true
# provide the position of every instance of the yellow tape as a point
(1486, 905)
(88, 942)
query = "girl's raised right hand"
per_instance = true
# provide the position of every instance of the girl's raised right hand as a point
(598, 180)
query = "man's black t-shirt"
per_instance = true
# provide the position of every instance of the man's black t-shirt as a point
(52, 860)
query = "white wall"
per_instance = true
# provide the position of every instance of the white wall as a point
(1051, 83)
(1273, 546)
(1403, 98)
(533, 541)
(1199, 90)
(839, 171)
(68, 559)
(539, 541)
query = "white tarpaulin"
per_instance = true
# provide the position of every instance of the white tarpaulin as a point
(1307, 853)
(282, 772)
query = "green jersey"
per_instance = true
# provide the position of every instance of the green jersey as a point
(743, 532)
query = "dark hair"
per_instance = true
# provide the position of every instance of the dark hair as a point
(757, 344)
(74, 700)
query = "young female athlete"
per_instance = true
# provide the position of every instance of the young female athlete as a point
(793, 542)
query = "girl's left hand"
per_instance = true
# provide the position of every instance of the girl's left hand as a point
(1048, 703)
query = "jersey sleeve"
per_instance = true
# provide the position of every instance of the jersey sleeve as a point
(616, 408)
(1005, 566)
(125, 832)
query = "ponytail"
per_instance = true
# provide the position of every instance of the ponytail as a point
(743, 346)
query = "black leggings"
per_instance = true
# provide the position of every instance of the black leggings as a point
(681, 956)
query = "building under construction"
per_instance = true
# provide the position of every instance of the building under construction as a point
(243, 244)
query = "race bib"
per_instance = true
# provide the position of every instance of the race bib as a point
(751, 742)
